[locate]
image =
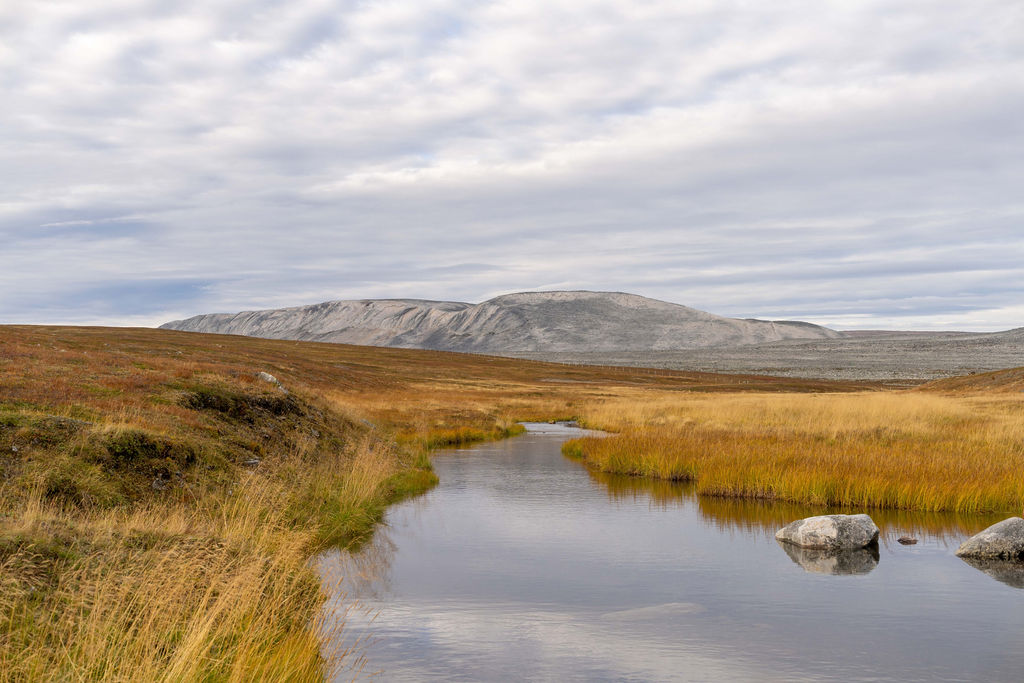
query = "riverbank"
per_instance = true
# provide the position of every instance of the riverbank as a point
(609, 578)
(159, 513)
(161, 498)
(918, 450)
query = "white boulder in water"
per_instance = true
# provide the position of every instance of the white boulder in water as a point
(1001, 541)
(830, 532)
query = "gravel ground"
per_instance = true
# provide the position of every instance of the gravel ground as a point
(888, 357)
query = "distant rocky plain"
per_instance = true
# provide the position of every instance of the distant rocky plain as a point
(613, 328)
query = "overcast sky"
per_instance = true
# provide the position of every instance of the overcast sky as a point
(856, 164)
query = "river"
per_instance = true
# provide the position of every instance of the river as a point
(523, 565)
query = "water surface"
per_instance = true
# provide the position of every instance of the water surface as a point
(521, 564)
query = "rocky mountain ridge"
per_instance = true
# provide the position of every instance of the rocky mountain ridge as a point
(527, 322)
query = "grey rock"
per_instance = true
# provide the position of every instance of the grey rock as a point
(833, 562)
(159, 484)
(1003, 541)
(514, 323)
(251, 462)
(267, 377)
(830, 532)
(1010, 572)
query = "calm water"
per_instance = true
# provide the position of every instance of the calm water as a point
(522, 565)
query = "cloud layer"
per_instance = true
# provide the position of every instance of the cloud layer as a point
(850, 163)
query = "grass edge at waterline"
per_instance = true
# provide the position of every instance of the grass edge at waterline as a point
(899, 450)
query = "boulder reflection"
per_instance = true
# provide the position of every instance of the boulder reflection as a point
(1010, 572)
(834, 562)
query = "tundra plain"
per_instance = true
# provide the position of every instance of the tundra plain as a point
(160, 500)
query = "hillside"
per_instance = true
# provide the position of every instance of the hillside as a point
(892, 356)
(529, 322)
(1001, 381)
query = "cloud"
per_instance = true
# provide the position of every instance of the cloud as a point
(799, 160)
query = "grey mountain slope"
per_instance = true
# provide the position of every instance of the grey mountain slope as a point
(529, 322)
(887, 356)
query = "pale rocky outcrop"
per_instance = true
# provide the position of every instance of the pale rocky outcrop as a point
(1001, 541)
(270, 379)
(831, 532)
(528, 322)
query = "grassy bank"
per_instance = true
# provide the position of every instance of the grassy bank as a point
(159, 502)
(163, 531)
(906, 450)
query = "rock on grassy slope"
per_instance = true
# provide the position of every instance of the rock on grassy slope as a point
(528, 322)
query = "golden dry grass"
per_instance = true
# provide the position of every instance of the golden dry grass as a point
(906, 450)
(215, 588)
(766, 517)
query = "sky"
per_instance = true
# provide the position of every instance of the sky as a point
(854, 164)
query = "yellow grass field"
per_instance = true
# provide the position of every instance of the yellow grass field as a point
(924, 449)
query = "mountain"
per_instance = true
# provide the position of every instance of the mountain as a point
(529, 322)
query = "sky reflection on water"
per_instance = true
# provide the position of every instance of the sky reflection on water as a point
(521, 564)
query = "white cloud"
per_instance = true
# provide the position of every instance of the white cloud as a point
(748, 160)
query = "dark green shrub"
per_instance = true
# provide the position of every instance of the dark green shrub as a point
(134, 446)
